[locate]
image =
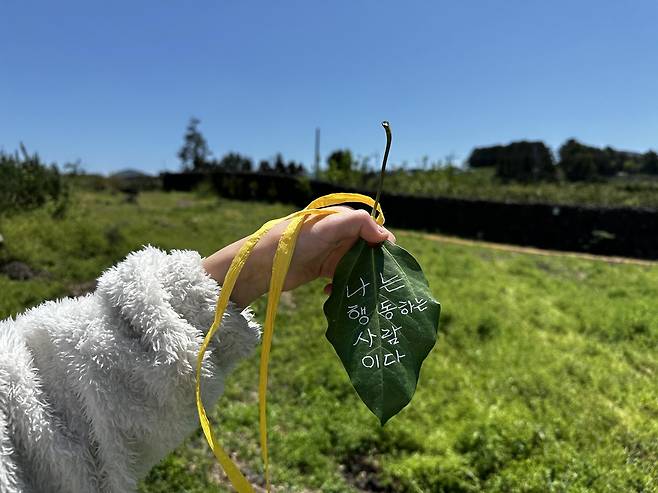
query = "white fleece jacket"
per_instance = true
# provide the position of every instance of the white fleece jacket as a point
(96, 390)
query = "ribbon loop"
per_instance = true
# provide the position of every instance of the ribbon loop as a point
(343, 197)
(282, 258)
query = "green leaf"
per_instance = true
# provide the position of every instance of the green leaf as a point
(383, 323)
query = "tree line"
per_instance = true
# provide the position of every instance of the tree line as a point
(522, 161)
(195, 155)
(533, 161)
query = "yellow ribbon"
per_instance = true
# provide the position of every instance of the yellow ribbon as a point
(282, 258)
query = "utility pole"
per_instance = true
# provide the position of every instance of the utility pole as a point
(317, 153)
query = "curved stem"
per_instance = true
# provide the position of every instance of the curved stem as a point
(387, 129)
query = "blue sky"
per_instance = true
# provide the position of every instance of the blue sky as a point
(114, 83)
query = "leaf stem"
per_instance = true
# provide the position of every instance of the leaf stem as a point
(387, 129)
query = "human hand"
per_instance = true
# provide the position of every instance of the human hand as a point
(322, 242)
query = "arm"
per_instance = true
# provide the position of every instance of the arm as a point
(321, 244)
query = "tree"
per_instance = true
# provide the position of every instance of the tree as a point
(525, 161)
(295, 169)
(343, 168)
(650, 163)
(582, 162)
(485, 157)
(279, 165)
(235, 162)
(580, 167)
(195, 153)
(340, 161)
(522, 161)
(577, 161)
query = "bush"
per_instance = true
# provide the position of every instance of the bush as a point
(26, 183)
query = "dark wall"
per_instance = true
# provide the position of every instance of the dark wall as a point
(631, 232)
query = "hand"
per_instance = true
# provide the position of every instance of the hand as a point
(322, 242)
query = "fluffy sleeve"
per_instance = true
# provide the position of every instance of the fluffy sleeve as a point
(108, 379)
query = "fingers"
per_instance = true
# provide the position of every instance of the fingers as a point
(357, 223)
(370, 231)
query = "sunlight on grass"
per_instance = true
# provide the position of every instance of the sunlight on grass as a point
(544, 377)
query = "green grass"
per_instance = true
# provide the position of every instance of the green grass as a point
(543, 379)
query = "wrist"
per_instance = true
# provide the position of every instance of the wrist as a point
(254, 276)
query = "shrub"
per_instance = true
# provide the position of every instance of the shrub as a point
(26, 183)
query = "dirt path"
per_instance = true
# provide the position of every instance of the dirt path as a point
(529, 250)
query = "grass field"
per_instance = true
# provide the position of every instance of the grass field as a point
(544, 377)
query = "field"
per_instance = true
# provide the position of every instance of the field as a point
(543, 379)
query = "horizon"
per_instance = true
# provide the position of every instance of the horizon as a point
(115, 85)
(390, 168)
